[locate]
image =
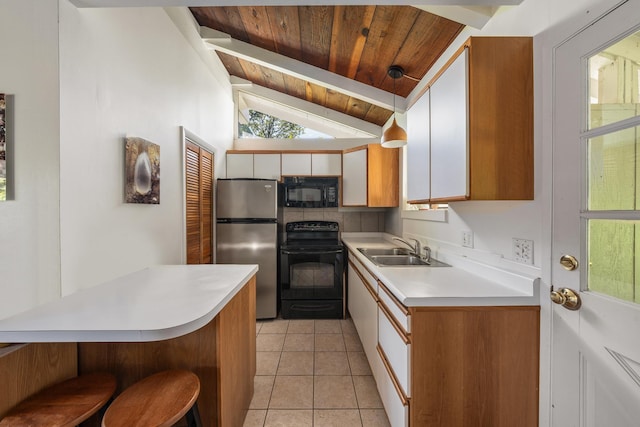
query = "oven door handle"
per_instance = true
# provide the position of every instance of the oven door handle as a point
(335, 251)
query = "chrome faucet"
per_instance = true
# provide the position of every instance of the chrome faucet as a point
(427, 254)
(416, 249)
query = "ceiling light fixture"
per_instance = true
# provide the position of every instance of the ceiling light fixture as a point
(394, 136)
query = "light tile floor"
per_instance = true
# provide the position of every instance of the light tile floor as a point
(312, 373)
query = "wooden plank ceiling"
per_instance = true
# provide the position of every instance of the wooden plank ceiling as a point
(357, 42)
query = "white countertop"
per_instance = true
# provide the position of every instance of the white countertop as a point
(463, 284)
(156, 303)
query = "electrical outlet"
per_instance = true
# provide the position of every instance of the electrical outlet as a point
(467, 238)
(523, 251)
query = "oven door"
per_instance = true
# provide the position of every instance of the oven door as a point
(311, 273)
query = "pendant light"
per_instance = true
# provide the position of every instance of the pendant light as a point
(394, 136)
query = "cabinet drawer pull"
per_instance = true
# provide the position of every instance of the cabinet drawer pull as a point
(374, 295)
(402, 308)
(396, 384)
(404, 336)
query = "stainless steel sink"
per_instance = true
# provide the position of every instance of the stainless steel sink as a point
(397, 260)
(398, 257)
(384, 251)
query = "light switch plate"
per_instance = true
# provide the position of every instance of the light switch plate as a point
(523, 251)
(467, 238)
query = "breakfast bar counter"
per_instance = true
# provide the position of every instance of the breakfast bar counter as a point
(196, 317)
(152, 304)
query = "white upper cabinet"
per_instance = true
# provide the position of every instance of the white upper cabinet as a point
(326, 164)
(418, 150)
(481, 110)
(354, 178)
(239, 165)
(266, 166)
(449, 131)
(295, 164)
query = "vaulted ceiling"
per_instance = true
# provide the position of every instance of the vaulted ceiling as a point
(329, 58)
(353, 45)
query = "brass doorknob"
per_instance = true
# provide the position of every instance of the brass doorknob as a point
(568, 298)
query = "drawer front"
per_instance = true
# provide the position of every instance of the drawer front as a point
(396, 348)
(399, 311)
(363, 308)
(371, 279)
(396, 406)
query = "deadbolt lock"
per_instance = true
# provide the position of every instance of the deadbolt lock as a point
(569, 262)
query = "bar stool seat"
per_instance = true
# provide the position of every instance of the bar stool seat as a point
(64, 404)
(159, 400)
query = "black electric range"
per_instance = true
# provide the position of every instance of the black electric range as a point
(312, 271)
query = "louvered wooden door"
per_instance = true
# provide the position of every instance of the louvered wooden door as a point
(199, 203)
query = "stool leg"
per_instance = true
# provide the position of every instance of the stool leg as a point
(193, 416)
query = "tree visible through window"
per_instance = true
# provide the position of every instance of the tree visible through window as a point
(266, 126)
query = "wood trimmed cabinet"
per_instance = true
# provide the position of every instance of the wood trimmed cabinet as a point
(268, 164)
(370, 176)
(448, 366)
(480, 124)
(418, 151)
(253, 165)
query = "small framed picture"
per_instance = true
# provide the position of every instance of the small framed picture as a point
(142, 171)
(6, 147)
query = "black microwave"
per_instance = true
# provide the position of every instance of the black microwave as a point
(310, 192)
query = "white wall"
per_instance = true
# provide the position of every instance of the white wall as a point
(128, 72)
(29, 225)
(494, 224)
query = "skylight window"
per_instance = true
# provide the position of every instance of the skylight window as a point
(316, 122)
(261, 125)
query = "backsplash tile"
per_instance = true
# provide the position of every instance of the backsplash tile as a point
(352, 222)
(369, 221)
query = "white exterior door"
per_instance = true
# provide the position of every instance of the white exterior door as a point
(596, 219)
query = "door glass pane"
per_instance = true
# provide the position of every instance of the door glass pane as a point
(614, 76)
(614, 258)
(614, 171)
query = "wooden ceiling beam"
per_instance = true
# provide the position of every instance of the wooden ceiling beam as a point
(348, 37)
(471, 16)
(222, 42)
(197, 3)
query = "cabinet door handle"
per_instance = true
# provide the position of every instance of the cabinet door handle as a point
(365, 282)
(393, 298)
(387, 366)
(404, 336)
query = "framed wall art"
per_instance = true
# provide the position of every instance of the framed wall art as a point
(6, 147)
(142, 171)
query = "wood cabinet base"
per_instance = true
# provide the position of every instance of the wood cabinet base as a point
(475, 366)
(222, 354)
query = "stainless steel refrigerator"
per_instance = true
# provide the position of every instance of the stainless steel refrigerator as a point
(247, 233)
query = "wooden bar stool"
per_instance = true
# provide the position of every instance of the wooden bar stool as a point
(64, 404)
(159, 400)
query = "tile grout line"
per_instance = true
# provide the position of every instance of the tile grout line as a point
(343, 331)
